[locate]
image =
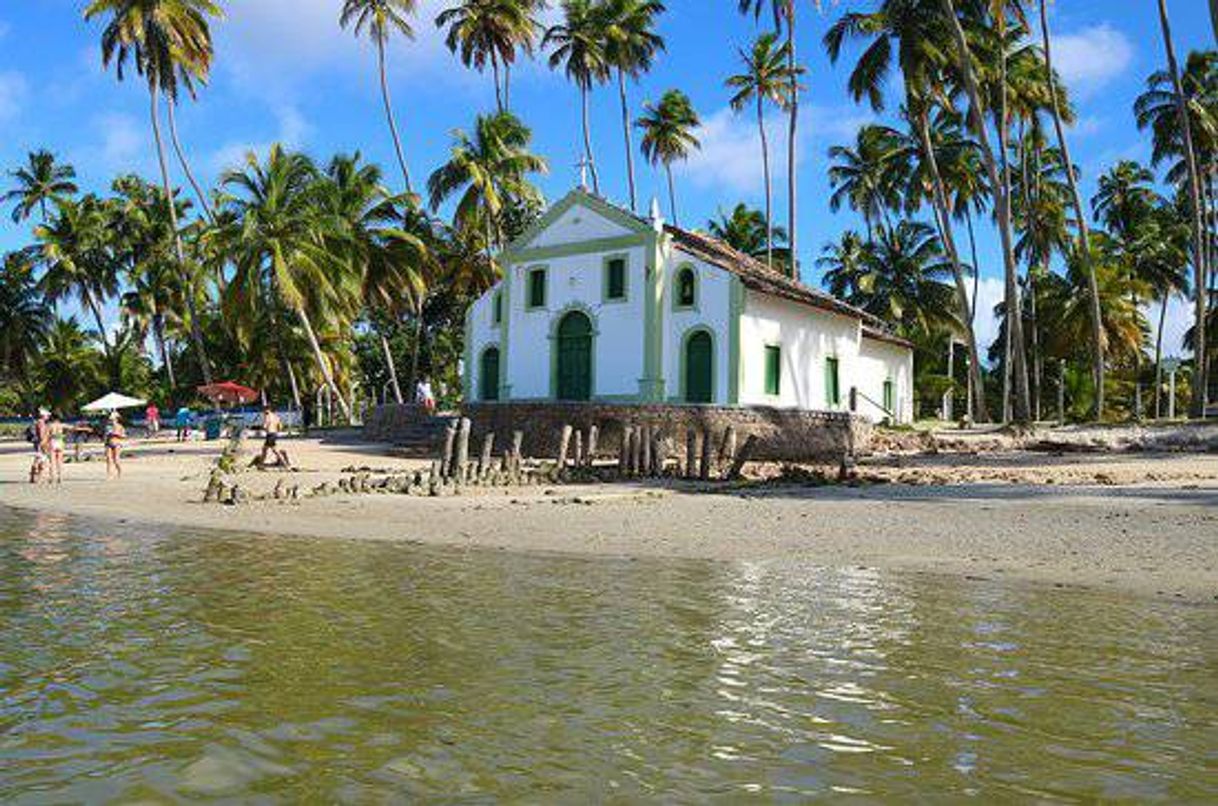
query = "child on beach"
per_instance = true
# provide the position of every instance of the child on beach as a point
(39, 440)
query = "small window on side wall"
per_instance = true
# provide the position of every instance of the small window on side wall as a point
(615, 279)
(687, 288)
(537, 288)
(833, 389)
(773, 370)
(497, 308)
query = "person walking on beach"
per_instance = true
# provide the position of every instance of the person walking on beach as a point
(424, 396)
(38, 435)
(152, 419)
(182, 421)
(115, 435)
(272, 425)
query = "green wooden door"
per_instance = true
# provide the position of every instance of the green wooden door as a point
(699, 369)
(489, 375)
(574, 357)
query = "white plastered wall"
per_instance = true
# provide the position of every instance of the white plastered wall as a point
(712, 311)
(880, 361)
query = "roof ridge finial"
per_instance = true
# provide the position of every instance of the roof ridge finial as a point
(657, 217)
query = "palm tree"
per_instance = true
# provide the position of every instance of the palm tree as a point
(490, 30)
(904, 280)
(1080, 216)
(765, 78)
(867, 176)
(1201, 378)
(381, 18)
(668, 135)
(784, 12)
(1000, 190)
(488, 172)
(747, 231)
(39, 181)
(905, 32)
(845, 266)
(25, 316)
(68, 363)
(579, 49)
(282, 251)
(631, 45)
(164, 39)
(74, 249)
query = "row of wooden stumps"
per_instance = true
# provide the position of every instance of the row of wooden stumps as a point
(455, 466)
(648, 452)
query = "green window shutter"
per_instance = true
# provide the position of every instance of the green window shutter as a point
(490, 375)
(615, 284)
(889, 396)
(833, 392)
(773, 370)
(497, 311)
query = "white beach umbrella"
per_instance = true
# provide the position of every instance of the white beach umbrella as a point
(113, 402)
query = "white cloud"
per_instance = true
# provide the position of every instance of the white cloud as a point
(125, 143)
(13, 91)
(730, 157)
(1092, 57)
(1179, 319)
(990, 292)
(294, 131)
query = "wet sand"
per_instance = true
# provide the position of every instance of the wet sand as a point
(1139, 523)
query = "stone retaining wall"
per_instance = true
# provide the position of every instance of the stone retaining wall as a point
(786, 435)
(392, 423)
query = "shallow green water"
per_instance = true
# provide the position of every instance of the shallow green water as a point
(138, 664)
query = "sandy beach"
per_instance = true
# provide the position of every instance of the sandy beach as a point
(1140, 523)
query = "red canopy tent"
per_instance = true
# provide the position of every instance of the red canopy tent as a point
(229, 392)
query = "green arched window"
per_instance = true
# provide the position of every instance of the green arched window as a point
(687, 288)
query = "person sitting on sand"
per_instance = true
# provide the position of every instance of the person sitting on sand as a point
(115, 434)
(272, 425)
(40, 441)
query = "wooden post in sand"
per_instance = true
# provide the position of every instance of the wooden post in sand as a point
(691, 453)
(659, 453)
(593, 437)
(578, 453)
(517, 451)
(636, 451)
(484, 461)
(446, 457)
(708, 448)
(564, 445)
(645, 460)
(463, 431)
(623, 452)
(742, 457)
(727, 448)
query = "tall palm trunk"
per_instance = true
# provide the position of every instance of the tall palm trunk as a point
(621, 91)
(769, 193)
(792, 146)
(944, 219)
(1201, 376)
(322, 364)
(672, 194)
(389, 116)
(1080, 213)
(1159, 355)
(507, 86)
(499, 102)
(1002, 201)
(95, 309)
(393, 370)
(181, 154)
(587, 126)
(196, 330)
(158, 330)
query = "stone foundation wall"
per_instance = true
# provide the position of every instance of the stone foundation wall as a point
(784, 435)
(393, 423)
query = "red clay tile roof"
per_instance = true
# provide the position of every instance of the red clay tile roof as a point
(885, 336)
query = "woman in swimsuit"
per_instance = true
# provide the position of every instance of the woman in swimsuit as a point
(55, 433)
(115, 434)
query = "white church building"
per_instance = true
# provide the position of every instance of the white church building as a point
(597, 304)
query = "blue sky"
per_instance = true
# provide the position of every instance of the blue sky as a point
(286, 72)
